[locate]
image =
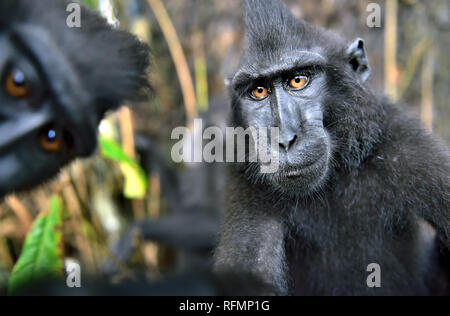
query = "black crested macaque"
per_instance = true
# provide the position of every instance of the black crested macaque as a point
(56, 83)
(359, 181)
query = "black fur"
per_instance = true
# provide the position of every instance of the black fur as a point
(111, 63)
(77, 74)
(386, 179)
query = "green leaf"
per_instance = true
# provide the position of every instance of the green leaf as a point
(91, 3)
(41, 256)
(201, 79)
(135, 186)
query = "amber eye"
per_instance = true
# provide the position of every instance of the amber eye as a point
(50, 139)
(15, 84)
(298, 82)
(260, 93)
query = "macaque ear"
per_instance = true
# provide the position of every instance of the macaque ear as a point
(358, 60)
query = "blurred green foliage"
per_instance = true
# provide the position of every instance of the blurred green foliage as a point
(135, 186)
(41, 256)
(91, 3)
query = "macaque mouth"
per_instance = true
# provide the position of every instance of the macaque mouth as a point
(304, 169)
(294, 174)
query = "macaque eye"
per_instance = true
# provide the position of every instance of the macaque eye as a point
(260, 93)
(298, 82)
(15, 84)
(50, 139)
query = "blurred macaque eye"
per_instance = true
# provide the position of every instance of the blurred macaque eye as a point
(298, 82)
(15, 84)
(50, 139)
(260, 93)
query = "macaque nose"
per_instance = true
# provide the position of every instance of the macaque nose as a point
(287, 141)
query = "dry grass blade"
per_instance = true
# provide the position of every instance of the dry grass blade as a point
(179, 59)
(21, 212)
(426, 106)
(390, 49)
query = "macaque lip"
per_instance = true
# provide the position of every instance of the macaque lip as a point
(304, 169)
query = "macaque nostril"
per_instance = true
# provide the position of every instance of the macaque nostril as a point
(292, 142)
